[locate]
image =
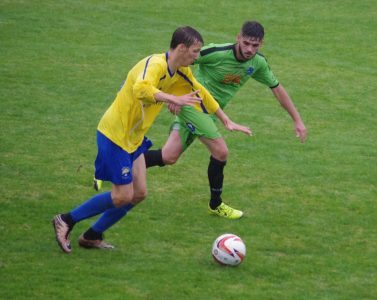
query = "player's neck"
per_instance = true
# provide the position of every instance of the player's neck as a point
(239, 55)
(173, 61)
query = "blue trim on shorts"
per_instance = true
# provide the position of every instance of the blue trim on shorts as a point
(113, 163)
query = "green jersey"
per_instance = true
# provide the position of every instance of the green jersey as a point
(223, 74)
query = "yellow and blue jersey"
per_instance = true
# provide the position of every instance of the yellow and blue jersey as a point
(134, 109)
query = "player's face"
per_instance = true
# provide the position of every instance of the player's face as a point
(247, 47)
(190, 54)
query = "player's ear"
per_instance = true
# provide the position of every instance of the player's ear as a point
(181, 47)
(238, 38)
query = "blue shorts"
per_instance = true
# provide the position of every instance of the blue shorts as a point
(115, 164)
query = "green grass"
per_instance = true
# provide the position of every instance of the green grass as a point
(310, 215)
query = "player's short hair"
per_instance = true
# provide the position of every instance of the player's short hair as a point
(252, 29)
(185, 35)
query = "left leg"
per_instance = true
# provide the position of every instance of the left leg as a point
(203, 126)
(219, 154)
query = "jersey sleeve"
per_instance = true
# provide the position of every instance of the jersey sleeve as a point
(209, 104)
(264, 74)
(145, 86)
(189, 84)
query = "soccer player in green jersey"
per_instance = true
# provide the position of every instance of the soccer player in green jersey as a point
(223, 69)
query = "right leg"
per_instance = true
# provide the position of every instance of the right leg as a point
(172, 149)
(168, 155)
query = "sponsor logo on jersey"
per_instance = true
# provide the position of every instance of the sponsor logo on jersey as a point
(231, 78)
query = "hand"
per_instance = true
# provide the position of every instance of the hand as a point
(231, 126)
(301, 131)
(174, 109)
(188, 99)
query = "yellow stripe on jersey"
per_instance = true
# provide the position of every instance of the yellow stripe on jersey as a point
(134, 109)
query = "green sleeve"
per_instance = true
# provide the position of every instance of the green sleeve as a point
(264, 74)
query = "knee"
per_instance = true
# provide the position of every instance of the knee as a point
(221, 153)
(120, 199)
(139, 196)
(170, 159)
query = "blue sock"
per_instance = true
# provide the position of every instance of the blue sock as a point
(94, 206)
(110, 217)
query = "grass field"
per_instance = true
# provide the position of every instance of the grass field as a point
(310, 209)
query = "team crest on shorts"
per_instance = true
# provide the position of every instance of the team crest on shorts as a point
(191, 127)
(125, 171)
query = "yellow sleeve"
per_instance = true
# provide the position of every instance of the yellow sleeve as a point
(145, 86)
(209, 102)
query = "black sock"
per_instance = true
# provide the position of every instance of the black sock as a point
(68, 219)
(153, 158)
(216, 178)
(90, 234)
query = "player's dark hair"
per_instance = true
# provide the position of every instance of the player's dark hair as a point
(185, 35)
(252, 29)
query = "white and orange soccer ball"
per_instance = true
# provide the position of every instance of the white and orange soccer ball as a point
(229, 249)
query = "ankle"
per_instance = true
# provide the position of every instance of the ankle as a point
(67, 218)
(215, 203)
(90, 234)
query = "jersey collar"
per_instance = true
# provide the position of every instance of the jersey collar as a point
(167, 57)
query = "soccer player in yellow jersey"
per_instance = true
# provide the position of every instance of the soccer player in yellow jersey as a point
(121, 141)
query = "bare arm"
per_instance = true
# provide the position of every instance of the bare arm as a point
(188, 99)
(286, 102)
(230, 125)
